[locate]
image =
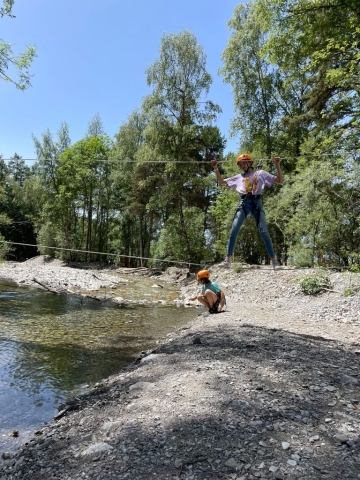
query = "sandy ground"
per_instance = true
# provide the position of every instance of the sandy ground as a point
(267, 389)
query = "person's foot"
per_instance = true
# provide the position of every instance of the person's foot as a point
(275, 264)
(225, 264)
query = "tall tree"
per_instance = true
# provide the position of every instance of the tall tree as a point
(83, 199)
(17, 226)
(263, 93)
(48, 152)
(96, 128)
(177, 111)
(18, 169)
(321, 40)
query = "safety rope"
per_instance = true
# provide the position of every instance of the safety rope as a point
(102, 253)
(204, 162)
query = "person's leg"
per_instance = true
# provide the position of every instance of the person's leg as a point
(211, 298)
(201, 298)
(259, 215)
(207, 299)
(221, 301)
(264, 233)
(239, 218)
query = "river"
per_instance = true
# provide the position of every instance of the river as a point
(52, 346)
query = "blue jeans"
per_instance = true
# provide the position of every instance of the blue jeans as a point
(251, 206)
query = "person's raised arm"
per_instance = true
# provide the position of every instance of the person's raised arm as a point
(279, 178)
(219, 177)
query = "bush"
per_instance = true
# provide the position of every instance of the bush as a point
(301, 256)
(315, 284)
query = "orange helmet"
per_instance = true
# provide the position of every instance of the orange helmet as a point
(203, 274)
(244, 156)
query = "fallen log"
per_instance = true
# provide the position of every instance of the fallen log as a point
(90, 296)
(51, 290)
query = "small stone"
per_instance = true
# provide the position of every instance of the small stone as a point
(341, 438)
(178, 463)
(279, 476)
(292, 463)
(330, 388)
(152, 357)
(348, 380)
(285, 445)
(231, 463)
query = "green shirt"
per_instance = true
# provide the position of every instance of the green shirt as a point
(214, 287)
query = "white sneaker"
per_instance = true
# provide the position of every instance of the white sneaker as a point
(225, 264)
(275, 264)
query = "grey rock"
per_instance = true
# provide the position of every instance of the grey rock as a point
(142, 386)
(97, 448)
(240, 404)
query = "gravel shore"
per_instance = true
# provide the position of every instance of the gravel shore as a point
(267, 389)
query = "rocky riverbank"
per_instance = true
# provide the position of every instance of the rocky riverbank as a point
(267, 389)
(95, 281)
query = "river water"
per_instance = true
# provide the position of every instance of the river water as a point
(52, 346)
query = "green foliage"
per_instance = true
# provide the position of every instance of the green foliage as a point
(238, 269)
(263, 93)
(47, 237)
(315, 284)
(301, 256)
(320, 41)
(178, 131)
(355, 267)
(315, 211)
(5, 248)
(353, 280)
(15, 225)
(14, 68)
(172, 244)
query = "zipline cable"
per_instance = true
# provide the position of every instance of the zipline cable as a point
(102, 253)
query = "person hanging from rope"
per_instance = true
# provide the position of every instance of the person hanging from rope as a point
(211, 296)
(250, 184)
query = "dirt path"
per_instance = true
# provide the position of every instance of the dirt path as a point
(268, 389)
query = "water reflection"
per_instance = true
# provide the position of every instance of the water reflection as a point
(50, 345)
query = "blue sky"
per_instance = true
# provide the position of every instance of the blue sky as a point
(92, 57)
